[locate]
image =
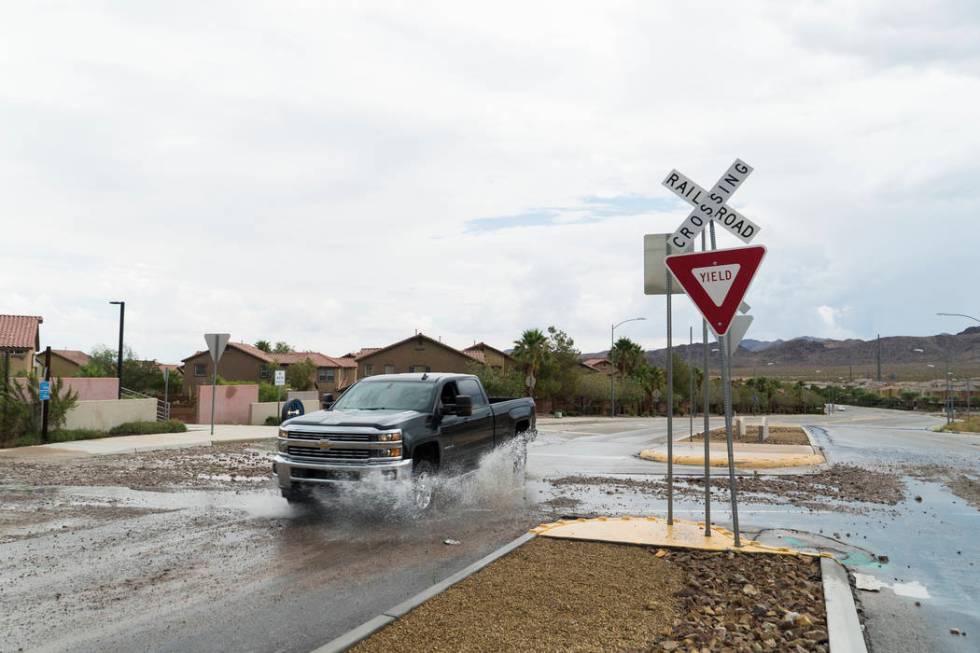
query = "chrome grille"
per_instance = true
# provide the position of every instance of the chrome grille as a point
(332, 454)
(337, 437)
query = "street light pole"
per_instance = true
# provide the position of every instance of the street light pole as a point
(949, 406)
(612, 377)
(119, 356)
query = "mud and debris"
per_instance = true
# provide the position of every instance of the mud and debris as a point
(218, 466)
(840, 484)
(560, 595)
(964, 483)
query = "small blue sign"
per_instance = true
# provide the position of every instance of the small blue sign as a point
(44, 391)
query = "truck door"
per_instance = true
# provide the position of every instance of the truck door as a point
(482, 418)
(461, 436)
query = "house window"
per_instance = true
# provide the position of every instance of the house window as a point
(419, 369)
(199, 369)
(389, 369)
(368, 369)
(264, 372)
(326, 374)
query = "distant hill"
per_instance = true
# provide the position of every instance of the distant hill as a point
(820, 358)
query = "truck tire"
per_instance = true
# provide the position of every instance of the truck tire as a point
(423, 484)
(296, 496)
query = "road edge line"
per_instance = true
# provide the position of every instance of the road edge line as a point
(844, 631)
(371, 626)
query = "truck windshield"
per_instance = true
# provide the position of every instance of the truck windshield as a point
(387, 395)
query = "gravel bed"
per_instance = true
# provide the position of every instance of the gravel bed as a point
(563, 595)
(777, 435)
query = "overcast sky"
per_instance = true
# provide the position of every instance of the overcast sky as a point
(337, 175)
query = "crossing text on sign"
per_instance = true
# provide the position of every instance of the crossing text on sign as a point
(711, 205)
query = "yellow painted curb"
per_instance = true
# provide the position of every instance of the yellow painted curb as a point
(740, 460)
(654, 531)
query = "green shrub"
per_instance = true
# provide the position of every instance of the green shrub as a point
(270, 392)
(146, 428)
(272, 420)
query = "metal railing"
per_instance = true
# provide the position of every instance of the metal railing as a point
(163, 407)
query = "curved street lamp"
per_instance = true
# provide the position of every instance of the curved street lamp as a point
(612, 377)
(949, 387)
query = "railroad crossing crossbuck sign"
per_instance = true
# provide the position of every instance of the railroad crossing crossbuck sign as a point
(711, 206)
(716, 281)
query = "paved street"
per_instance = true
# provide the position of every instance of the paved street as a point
(201, 559)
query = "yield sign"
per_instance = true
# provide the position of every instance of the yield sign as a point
(717, 281)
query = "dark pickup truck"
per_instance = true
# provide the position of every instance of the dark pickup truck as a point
(397, 428)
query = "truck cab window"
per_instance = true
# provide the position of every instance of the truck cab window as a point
(449, 392)
(472, 388)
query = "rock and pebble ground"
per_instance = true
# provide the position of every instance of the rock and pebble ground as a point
(777, 435)
(220, 465)
(562, 595)
(838, 483)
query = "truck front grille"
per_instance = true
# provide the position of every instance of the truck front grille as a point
(329, 454)
(337, 437)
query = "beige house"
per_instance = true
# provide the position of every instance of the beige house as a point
(331, 374)
(240, 362)
(20, 338)
(492, 357)
(603, 365)
(67, 362)
(420, 353)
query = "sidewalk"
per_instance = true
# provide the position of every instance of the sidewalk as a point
(747, 456)
(197, 435)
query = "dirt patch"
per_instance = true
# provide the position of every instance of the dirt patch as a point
(777, 435)
(221, 465)
(559, 595)
(839, 483)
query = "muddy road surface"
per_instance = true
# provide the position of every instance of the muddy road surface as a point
(194, 550)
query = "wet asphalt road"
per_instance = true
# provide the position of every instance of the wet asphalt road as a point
(115, 569)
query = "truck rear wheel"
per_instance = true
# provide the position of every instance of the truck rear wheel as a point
(423, 484)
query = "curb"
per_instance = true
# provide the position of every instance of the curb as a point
(843, 627)
(371, 626)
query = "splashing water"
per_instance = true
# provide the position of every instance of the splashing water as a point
(496, 484)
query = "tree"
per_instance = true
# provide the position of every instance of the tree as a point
(532, 350)
(102, 362)
(626, 356)
(263, 345)
(20, 407)
(299, 376)
(282, 348)
(652, 380)
(561, 365)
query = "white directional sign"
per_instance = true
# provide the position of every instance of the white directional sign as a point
(710, 206)
(280, 377)
(216, 344)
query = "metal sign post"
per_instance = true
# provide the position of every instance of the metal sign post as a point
(280, 380)
(707, 411)
(216, 346)
(670, 402)
(719, 279)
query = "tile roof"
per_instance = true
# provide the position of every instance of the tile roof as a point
(75, 356)
(318, 359)
(240, 346)
(19, 332)
(482, 347)
(346, 361)
(362, 352)
(417, 336)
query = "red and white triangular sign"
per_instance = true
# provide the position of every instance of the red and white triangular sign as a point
(717, 281)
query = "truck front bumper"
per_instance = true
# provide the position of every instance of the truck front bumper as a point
(291, 471)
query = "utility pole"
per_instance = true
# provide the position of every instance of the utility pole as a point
(119, 356)
(878, 358)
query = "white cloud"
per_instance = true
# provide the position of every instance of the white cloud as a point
(308, 173)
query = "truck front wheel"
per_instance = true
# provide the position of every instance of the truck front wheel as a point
(423, 483)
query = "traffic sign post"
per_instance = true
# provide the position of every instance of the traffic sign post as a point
(280, 381)
(716, 281)
(216, 346)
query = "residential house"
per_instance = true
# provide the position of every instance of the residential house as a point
(492, 357)
(20, 338)
(603, 365)
(240, 362)
(67, 362)
(419, 353)
(331, 374)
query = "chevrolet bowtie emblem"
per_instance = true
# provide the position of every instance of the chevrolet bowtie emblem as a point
(325, 444)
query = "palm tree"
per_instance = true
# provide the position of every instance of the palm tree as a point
(652, 380)
(627, 356)
(531, 350)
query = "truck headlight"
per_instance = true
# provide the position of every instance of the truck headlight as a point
(394, 436)
(283, 433)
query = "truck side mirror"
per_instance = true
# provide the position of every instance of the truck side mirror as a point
(464, 405)
(327, 401)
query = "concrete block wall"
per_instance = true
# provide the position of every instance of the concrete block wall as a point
(103, 414)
